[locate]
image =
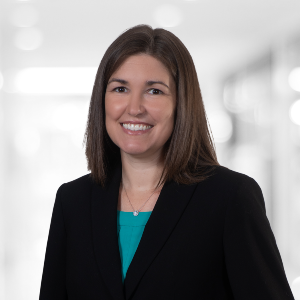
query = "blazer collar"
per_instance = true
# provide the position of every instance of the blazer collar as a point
(169, 207)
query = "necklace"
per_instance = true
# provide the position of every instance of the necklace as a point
(136, 212)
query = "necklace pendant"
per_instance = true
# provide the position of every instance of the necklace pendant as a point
(135, 213)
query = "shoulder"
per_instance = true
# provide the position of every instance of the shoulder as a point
(225, 177)
(76, 189)
(240, 189)
(229, 185)
(73, 201)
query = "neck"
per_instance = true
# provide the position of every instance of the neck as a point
(141, 175)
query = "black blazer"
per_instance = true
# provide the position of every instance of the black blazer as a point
(210, 240)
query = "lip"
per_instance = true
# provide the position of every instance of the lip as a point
(138, 132)
(136, 122)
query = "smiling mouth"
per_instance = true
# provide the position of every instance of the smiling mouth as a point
(136, 127)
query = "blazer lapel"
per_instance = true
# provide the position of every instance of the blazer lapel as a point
(167, 211)
(105, 239)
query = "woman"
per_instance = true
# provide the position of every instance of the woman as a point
(157, 217)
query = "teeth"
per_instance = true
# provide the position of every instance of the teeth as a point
(136, 127)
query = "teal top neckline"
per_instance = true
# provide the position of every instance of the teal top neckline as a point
(126, 218)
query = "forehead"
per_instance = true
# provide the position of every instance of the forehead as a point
(143, 63)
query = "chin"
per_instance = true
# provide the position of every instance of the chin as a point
(134, 150)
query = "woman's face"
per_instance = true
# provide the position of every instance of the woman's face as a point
(139, 110)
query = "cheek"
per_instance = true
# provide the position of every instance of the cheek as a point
(113, 108)
(163, 113)
(113, 111)
(164, 116)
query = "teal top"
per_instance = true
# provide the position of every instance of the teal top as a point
(130, 230)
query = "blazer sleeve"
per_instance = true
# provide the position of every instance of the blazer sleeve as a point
(53, 283)
(253, 262)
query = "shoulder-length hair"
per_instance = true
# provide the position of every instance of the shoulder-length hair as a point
(189, 152)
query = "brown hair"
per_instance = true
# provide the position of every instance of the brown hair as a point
(189, 152)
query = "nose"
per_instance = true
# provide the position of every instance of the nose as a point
(135, 105)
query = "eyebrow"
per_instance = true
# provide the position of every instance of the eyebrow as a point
(148, 83)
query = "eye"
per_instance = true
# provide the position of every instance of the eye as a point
(119, 87)
(160, 92)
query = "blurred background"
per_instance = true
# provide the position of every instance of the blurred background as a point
(247, 56)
